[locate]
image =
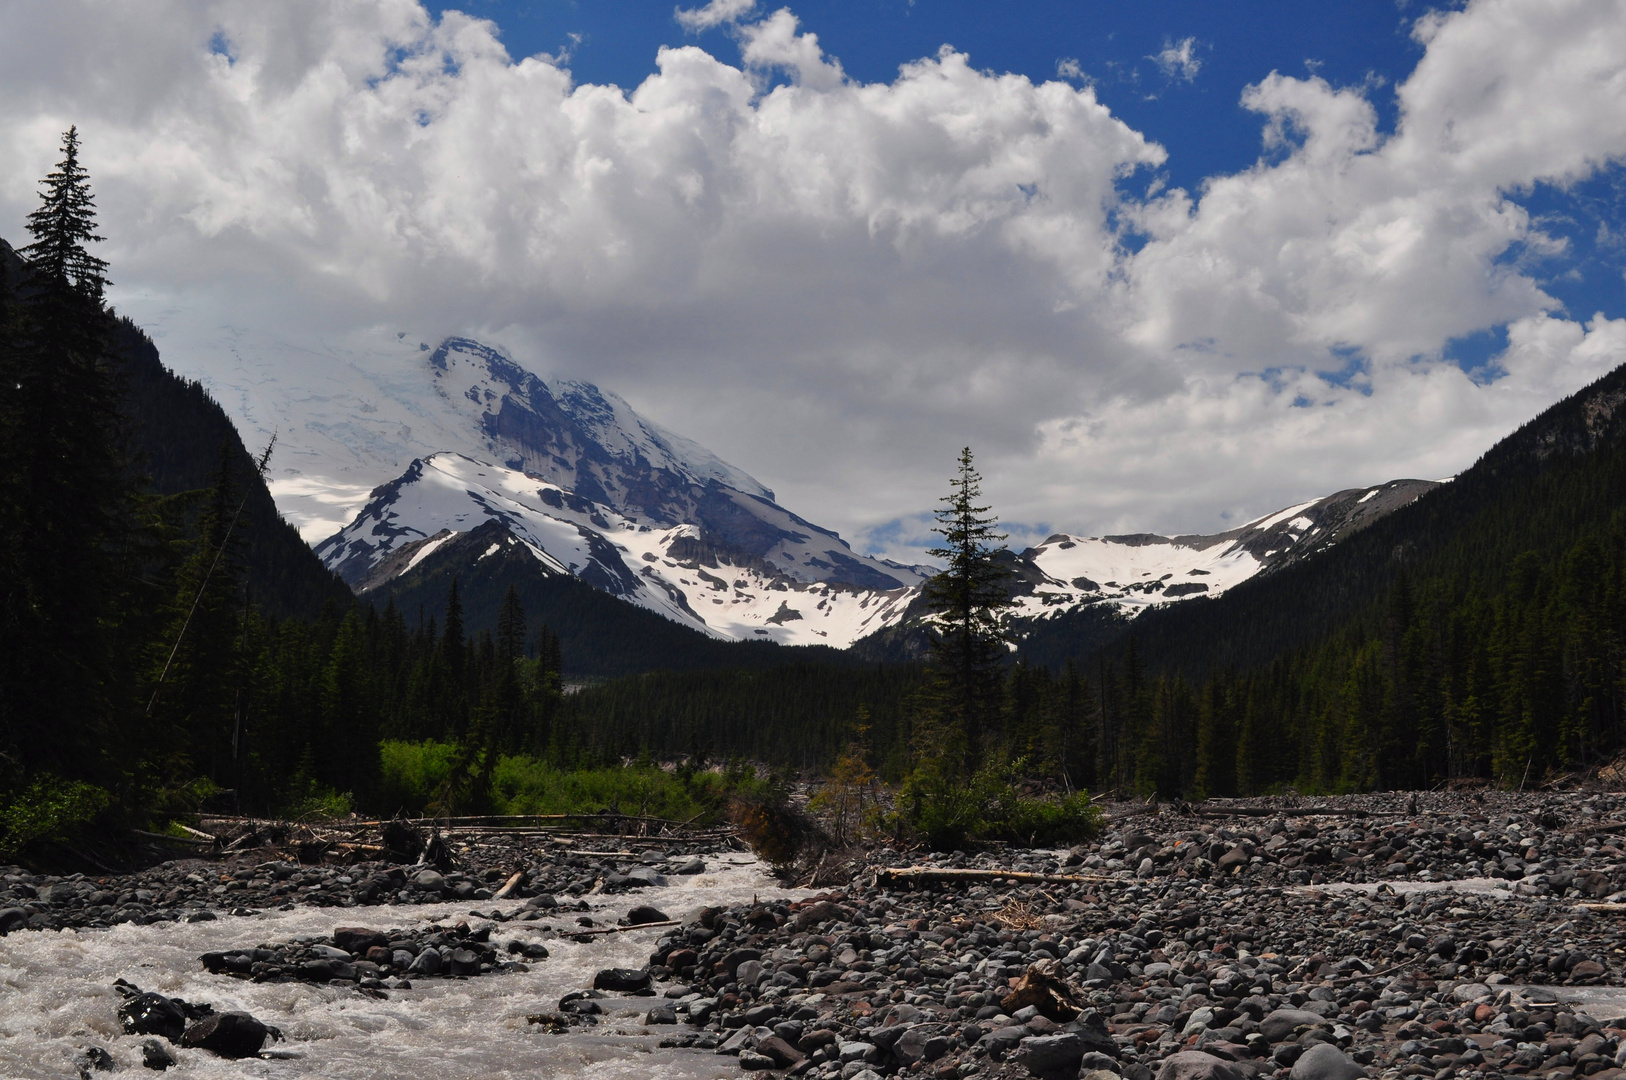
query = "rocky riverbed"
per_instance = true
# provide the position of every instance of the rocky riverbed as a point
(1442, 935)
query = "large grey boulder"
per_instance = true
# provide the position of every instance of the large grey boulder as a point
(1324, 1061)
(1196, 1065)
(1045, 1054)
(1282, 1023)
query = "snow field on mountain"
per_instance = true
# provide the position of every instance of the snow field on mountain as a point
(454, 492)
(1132, 577)
(467, 371)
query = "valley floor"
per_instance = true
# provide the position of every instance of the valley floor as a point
(1436, 934)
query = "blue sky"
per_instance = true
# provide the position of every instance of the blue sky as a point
(1115, 45)
(1191, 269)
(1194, 111)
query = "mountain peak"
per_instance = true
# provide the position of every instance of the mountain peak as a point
(584, 439)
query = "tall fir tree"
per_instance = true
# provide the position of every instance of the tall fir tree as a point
(968, 640)
(65, 495)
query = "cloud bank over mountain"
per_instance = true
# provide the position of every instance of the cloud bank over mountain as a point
(835, 284)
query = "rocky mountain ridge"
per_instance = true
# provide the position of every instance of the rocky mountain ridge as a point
(576, 477)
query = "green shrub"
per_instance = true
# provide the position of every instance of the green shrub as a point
(315, 800)
(947, 812)
(414, 774)
(48, 809)
(523, 785)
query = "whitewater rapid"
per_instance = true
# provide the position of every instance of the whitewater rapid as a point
(57, 996)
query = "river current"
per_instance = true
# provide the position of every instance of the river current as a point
(57, 996)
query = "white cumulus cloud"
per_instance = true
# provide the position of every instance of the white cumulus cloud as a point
(836, 284)
(1178, 59)
(715, 13)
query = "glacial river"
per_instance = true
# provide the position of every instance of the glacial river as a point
(57, 997)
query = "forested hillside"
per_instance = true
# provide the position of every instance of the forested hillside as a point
(173, 438)
(1474, 634)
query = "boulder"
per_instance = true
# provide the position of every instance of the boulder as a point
(1282, 1023)
(1092, 1029)
(736, 957)
(1096, 1062)
(464, 962)
(1324, 1061)
(98, 1059)
(1196, 1065)
(920, 1044)
(1046, 1054)
(155, 1055)
(153, 1014)
(231, 1035)
(643, 914)
(323, 970)
(900, 1014)
(356, 940)
(622, 980)
(783, 1054)
(583, 1002)
(818, 913)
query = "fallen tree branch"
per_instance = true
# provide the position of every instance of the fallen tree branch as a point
(173, 839)
(905, 874)
(615, 929)
(1305, 811)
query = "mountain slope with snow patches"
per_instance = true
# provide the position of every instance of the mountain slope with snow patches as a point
(594, 490)
(687, 575)
(1132, 573)
(671, 570)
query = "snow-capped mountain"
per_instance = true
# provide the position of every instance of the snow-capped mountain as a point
(797, 592)
(581, 438)
(349, 415)
(594, 490)
(1131, 573)
(793, 585)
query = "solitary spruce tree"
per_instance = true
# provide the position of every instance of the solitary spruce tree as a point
(64, 492)
(968, 639)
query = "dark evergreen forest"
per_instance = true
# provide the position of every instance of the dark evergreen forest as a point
(1474, 635)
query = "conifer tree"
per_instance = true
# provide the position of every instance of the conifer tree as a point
(968, 641)
(64, 492)
(454, 662)
(511, 626)
(196, 663)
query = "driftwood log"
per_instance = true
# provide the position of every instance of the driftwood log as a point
(905, 874)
